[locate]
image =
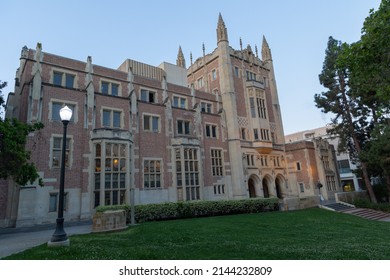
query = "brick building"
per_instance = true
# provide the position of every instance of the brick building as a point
(313, 163)
(168, 133)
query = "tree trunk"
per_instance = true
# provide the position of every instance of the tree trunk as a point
(348, 118)
(388, 187)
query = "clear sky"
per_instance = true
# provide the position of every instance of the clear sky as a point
(151, 32)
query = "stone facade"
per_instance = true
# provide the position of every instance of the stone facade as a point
(312, 163)
(143, 134)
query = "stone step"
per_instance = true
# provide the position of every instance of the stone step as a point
(369, 214)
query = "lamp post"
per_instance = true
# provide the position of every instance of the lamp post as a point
(59, 237)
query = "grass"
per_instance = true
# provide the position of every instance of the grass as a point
(298, 235)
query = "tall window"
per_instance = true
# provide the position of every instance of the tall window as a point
(301, 187)
(183, 127)
(261, 109)
(110, 174)
(152, 174)
(325, 162)
(151, 123)
(253, 107)
(256, 134)
(200, 83)
(330, 183)
(211, 131)
(179, 102)
(56, 152)
(214, 75)
(187, 172)
(216, 162)
(111, 118)
(298, 165)
(148, 96)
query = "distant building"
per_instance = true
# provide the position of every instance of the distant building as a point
(348, 179)
(313, 168)
(211, 131)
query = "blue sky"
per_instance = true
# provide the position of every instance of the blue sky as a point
(151, 32)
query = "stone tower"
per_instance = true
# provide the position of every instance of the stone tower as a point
(229, 104)
(268, 63)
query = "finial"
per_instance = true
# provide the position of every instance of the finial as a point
(191, 57)
(221, 30)
(241, 43)
(180, 61)
(257, 52)
(204, 49)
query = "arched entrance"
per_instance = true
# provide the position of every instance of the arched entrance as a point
(251, 188)
(279, 181)
(265, 187)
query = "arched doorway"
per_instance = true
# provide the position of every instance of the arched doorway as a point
(278, 186)
(265, 187)
(251, 188)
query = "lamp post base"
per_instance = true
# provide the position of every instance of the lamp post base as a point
(64, 243)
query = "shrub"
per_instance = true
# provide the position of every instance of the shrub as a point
(366, 203)
(190, 209)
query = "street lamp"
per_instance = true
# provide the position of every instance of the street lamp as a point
(59, 237)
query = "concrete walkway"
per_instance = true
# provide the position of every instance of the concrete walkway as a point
(19, 239)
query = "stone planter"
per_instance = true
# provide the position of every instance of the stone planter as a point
(109, 221)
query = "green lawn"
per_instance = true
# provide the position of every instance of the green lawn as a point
(305, 234)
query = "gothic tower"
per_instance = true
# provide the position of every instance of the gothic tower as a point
(268, 63)
(229, 104)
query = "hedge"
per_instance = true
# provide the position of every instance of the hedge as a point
(191, 209)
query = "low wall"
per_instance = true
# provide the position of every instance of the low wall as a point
(109, 221)
(295, 203)
(349, 197)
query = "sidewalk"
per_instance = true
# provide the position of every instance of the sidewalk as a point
(15, 240)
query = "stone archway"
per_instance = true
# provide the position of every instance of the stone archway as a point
(279, 182)
(265, 187)
(251, 188)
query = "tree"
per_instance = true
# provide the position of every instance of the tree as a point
(14, 159)
(368, 63)
(349, 121)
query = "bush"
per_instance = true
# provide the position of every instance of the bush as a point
(366, 203)
(191, 209)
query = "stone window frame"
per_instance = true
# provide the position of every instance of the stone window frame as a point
(184, 121)
(110, 83)
(111, 109)
(151, 122)
(213, 74)
(70, 155)
(161, 173)
(55, 195)
(64, 72)
(206, 107)
(219, 189)
(217, 170)
(301, 186)
(180, 99)
(208, 128)
(74, 118)
(150, 92)
(99, 186)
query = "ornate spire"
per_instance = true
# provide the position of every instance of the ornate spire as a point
(265, 51)
(221, 30)
(180, 61)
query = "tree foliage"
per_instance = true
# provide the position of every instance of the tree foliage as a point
(357, 77)
(14, 159)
